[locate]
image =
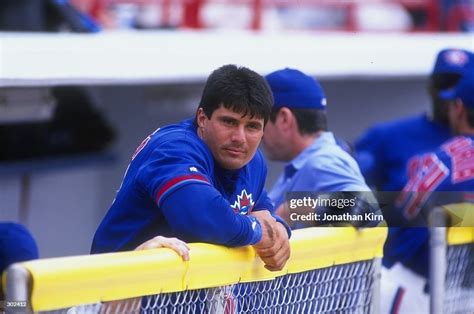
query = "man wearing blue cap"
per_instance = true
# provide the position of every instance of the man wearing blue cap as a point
(297, 133)
(383, 151)
(449, 168)
(383, 154)
(16, 245)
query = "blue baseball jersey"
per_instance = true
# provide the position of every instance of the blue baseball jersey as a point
(173, 187)
(384, 150)
(450, 168)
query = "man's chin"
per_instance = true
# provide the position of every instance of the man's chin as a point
(232, 164)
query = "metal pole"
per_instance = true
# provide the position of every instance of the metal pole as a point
(17, 289)
(437, 260)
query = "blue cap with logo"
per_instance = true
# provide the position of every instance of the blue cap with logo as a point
(294, 89)
(453, 61)
(464, 90)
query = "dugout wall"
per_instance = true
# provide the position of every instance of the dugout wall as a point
(330, 269)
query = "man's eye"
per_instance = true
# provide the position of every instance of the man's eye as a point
(255, 127)
(229, 122)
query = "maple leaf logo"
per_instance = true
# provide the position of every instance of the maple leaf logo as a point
(244, 203)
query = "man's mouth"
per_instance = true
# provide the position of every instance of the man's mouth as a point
(234, 151)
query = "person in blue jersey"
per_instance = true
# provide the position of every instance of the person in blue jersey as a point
(297, 133)
(384, 149)
(202, 180)
(450, 168)
(16, 245)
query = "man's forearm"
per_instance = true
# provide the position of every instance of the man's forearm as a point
(208, 217)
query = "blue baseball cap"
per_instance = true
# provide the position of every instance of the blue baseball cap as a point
(294, 89)
(453, 61)
(464, 90)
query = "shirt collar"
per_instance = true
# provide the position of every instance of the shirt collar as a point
(297, 163)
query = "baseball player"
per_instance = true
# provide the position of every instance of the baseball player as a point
(383, 151)
(449, 168)
(202, 180)
(16, 245)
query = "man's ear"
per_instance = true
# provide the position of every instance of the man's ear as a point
(285, 118)
(200, 117)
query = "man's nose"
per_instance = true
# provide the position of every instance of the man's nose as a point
(238, 135)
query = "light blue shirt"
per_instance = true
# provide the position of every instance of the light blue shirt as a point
(321, 167)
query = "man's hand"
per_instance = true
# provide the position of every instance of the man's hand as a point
(180, 247)
(274, 248)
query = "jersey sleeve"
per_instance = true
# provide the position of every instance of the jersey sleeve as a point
(427, 173)
(174, 164)
(198, 212)
(177, 175)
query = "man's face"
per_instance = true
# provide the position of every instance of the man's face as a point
(276, 139)
(272, 141)
(439, 110)
(455, 115)
(232, 138)
(437, 83)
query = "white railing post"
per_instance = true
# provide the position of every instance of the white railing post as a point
(17, 289)
(437, 260)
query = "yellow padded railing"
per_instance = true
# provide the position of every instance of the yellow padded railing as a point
(462, 219)
(460, 235)
(69, 281)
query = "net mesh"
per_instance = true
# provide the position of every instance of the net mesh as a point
(348, 288)
(459, 292)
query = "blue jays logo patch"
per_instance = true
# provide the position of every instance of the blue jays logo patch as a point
(244, 203)
(456, 57)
